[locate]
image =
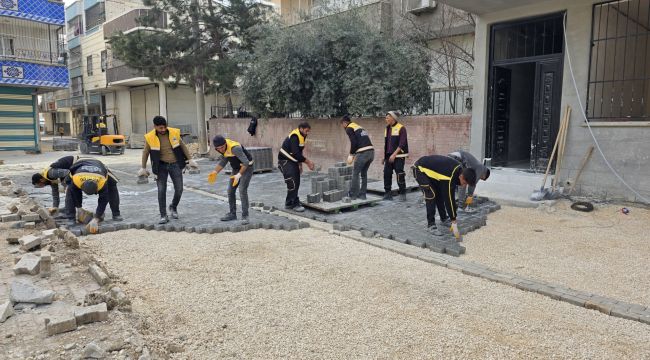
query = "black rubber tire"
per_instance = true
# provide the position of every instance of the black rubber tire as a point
(83, 148)
(104, 151)
(583, 206)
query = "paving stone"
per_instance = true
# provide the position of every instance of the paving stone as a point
(572, 299)
(9, 218)
(23, 291)
(29, 242)
(600, 306)
(29, 264)
(90, 314)
(46, 263)
(314, 198)
(12, 239)
(623, 313)
(98, 274)
(6, 311)
(367, 233)
(60, 324)
(645, 319)
(30, 217)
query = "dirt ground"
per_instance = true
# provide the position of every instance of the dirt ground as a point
(604, 252)
(309, 294)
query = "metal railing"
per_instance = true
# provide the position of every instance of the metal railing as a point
(129, 21)
(451, 101)
(239, 111)
(122, 72)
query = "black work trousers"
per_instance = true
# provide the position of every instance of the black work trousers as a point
(435, 194)
(291, 172)
(109, 195)
(398, 167)
(173, 171)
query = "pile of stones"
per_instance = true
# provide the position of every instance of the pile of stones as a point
(331, 187)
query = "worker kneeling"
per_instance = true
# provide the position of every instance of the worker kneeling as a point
(241, 163)
(91, 177)
(438, 177)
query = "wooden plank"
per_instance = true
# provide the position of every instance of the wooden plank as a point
(337, 206)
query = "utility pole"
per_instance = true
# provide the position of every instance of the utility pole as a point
(198, 83)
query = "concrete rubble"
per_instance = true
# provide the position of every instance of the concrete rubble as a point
(60, 324)
(23, 291)
(90, 314)
(29, 264)
(93, 351)
(6, 310)
(98, 274)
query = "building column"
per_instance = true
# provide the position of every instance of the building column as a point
(162, 96)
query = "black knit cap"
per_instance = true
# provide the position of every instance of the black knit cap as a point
(218, 141)
(89, 187)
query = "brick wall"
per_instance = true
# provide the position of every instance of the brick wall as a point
(328, 143)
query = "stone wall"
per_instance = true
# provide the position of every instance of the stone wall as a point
(328, 143)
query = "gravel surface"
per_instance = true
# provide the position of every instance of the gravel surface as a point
(603, 252)
(307, 294)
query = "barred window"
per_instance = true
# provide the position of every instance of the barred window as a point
(89, 65)
(103, 61)
(619, 69)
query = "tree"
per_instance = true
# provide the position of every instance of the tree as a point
(333, 66)
(200, 46)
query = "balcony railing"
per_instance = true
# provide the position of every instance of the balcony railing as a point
(128, 21)
(122, 72)
(34, 55)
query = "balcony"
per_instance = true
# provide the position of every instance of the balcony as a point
(124, 75)
(74, 9)
(128, 22)
(23, 40)
(33, 75)
(42, 11)
(76, 71)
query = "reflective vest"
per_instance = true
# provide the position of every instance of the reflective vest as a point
(361, 136)
(44, 175)
(89, 169)
(234, 161)
(286, 145)
(391, 136)
(154, 144)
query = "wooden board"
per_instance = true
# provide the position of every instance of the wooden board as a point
(337, 206)
(378, 186)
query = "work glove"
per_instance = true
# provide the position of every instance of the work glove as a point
(52, 210)
(469, 200)
(93, 226)
(192, 164)
(143, 172)
(235, 179)
(350, 160)
(212, 177)
(455, 231)
(84, 216)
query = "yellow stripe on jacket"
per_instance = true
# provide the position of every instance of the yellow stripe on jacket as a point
(79, 178)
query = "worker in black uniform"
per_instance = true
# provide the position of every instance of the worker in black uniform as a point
(241, 162)
(466, 194)
(90, 177)
(52, 178)
(438, 177)
(361, 154)
(290, 161)
(396, 150)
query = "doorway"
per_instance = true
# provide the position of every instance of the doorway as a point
(525, 81)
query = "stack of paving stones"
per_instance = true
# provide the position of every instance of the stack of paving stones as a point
(262, 159)
(331, 187)
(22, 211)
(61, 144)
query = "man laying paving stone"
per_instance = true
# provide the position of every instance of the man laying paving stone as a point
(361, 154)
(90, 177)
(468, 161)
(438, 177)
(290, 161)
(168, 158)
(52, 177)
(241, 163)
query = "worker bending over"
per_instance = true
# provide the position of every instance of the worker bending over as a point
(361, 155)
(290, 161)
(52, 177)
(438, 177)
(468, 161)
(241, 163)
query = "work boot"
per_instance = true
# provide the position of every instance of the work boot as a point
(163, 220)
(117, 218)
(402, 197)
(299, 208)
(446, 222)
(388, 196)
(173, 212)
(244, 220)
(433, 229)
(229, 217)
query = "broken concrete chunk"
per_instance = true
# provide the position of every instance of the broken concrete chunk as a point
(46, 263)
(28, 242)
(71, 240)
(29, 264)
(23, 291)
(98, 274)
(30, 217)
(12, 217)
(60, 324)
(6, 310)
(30, 225)
(90, 314)
(93, 351)
(12, 239)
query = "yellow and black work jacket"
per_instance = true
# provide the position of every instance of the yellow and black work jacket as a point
(395, 137)
(359, 139)
(154, 144)
(446, 172)
(232, 158)
(292, 147)
(89, 169)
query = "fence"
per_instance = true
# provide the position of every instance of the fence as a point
(451, 101)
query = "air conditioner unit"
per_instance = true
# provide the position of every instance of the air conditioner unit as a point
(420, 6)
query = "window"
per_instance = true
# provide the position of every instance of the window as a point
(7, 46)
(89, 65)
(619, 62)
(95, 16)
(103, 61)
